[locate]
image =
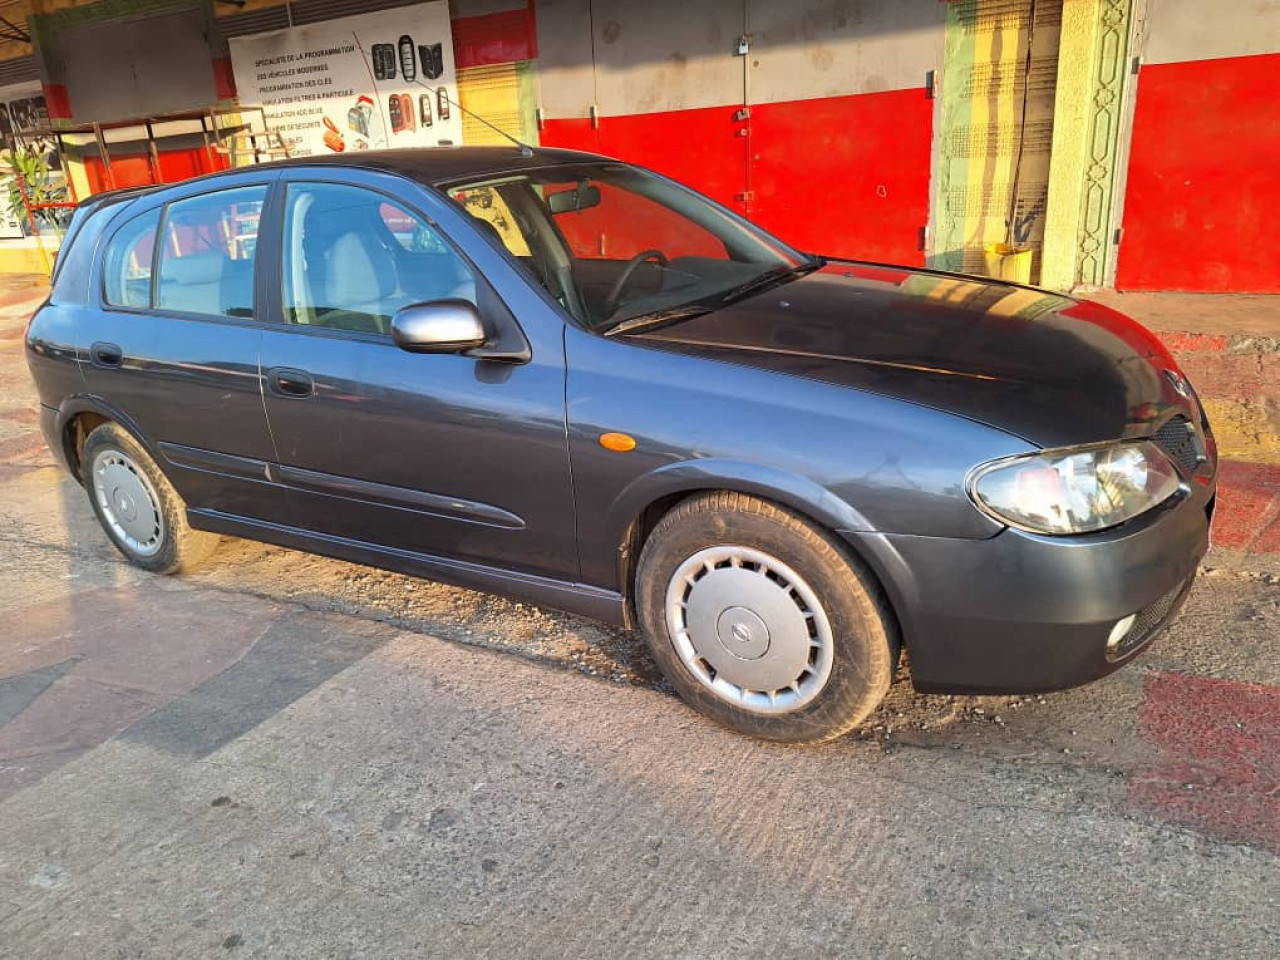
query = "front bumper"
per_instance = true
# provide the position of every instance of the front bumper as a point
(1020, 613)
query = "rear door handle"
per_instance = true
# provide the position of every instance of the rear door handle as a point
(106, 355)
(294, 384)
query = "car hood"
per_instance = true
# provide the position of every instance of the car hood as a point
(1050, 369)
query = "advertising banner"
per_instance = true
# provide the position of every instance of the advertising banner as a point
(366, 82)
(23, 119)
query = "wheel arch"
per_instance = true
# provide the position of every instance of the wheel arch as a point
(79, 416)
(650, 497)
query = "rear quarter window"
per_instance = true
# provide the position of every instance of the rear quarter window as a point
(126, 266)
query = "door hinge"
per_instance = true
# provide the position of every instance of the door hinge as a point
(537, 117)
(1135, 66)
(931, 84)
(595, 117)
(1117, 236)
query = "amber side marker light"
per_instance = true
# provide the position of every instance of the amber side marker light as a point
(617, 442)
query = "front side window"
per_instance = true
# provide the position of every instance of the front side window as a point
(126, 268)
(614, 243)
(352, 258)
(207, 253)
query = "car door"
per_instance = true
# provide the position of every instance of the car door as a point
(173, 346)
(443, 455)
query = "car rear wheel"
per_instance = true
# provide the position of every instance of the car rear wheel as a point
(137, 506)
(762, 621)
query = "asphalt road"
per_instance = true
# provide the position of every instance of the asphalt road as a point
(282, 755)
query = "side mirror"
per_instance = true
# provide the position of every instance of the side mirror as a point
(442, 326)
(579, 198)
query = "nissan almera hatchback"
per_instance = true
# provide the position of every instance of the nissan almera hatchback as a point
(569, 380)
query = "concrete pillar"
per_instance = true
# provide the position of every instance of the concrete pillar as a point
(1088, 110)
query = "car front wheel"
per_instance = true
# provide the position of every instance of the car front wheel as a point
(137, 506)
(762, 621)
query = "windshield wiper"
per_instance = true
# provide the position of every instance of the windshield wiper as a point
(658, 318)
(771, 278)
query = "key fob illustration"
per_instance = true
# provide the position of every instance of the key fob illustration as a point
(408, 66)
(384, 61)
(424, 105)
(406, 112)
(393, 108)
(432, 57)
(357, 122)
(442, 104)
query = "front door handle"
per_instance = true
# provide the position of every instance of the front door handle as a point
(104, 354)
(293, 384)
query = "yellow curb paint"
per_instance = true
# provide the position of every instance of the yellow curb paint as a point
(1245, 429)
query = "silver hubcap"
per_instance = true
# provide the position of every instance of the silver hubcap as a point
(749, 628)
(128, 502)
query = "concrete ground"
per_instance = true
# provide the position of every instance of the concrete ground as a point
(281, 755)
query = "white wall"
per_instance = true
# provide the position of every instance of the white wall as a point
(1180, 30)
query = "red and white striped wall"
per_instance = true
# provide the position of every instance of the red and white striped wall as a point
(1202, 200)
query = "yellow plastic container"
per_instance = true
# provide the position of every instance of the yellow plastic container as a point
(1008, 263)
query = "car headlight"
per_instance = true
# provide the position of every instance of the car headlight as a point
(1075, 491)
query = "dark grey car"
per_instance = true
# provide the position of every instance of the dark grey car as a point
(566, 379)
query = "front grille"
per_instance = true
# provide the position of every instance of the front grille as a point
(1150, 620)
(1179, 440)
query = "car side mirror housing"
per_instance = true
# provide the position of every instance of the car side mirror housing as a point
(441, 326)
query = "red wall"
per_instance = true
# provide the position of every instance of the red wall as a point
(134, 170)
(696, 147)
(845, 176)
(1204, 178)
(841, 176)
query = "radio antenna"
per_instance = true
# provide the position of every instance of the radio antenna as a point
(525, 149)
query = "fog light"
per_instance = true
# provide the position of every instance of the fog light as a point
(1118, 633)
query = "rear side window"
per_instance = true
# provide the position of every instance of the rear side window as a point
(207, 253)
(126, 270)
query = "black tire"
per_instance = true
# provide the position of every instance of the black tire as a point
(862, 628)
(175, 546)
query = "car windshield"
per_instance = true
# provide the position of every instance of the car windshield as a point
(620, 247)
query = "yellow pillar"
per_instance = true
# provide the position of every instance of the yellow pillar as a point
(1072, 119)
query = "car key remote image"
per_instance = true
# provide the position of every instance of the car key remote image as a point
(442, 103)
(432, 57)
(406, 112)
(393, 108)
(424, 105)
(384, 61)
(408, 66)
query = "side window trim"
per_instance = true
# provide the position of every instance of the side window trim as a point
(222, 206)
(273, 186)
(401, 189)
(105, 247)
(156, 249)
(384, 197)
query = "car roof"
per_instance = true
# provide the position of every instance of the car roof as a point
(439, 165)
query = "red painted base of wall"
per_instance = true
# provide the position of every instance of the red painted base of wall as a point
(1203, 187)
(846, 176)
(841, 176)
(697, 147)
(135, 170)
